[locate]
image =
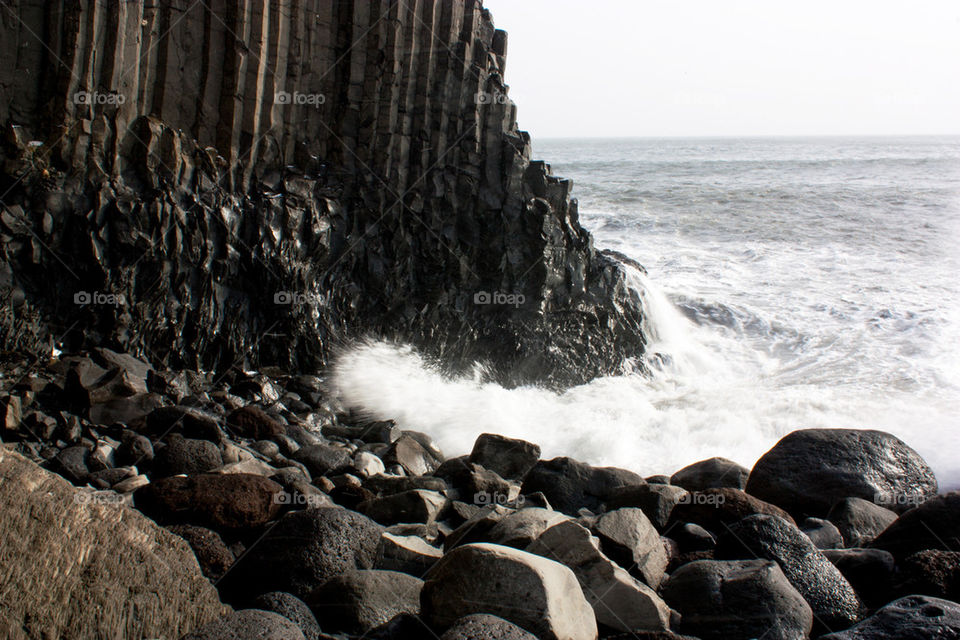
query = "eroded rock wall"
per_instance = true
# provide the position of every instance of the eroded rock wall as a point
(259, 181)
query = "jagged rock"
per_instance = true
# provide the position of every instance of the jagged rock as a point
(475, 483)
(507, 457)
(714, 473)
(415, 458)
(737, 600)
(618, 600)
(834, 602)
(860, 521)
(716, 509)
(222, 502)
(482, 626)
(249, 624)
(360, 600)
(522, 527)
(869, 571)
(477, 527)
(292, 608)
(304, 550)
(656, 500)
(630, 540)
(493, 579)
(570, 485)
(909, 618)
(930, 573)
(323, 459)
(86, 568)
(212, 554)
(410, 506)
(809, 470)
(935, 524)
(252, 422)
(823, 533)
(185, 455)
(409, 554)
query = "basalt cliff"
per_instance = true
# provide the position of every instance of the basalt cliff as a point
(255, 183)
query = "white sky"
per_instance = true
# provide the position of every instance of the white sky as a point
(732, 67)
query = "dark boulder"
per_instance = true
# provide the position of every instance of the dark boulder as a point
(808, 471)
(410, 453)
(507, 457)
(823, 533)
(252, 422)
(716, 509)
(292, 608)
(483, 626)
(869, 571)
(360, 600)
(323, 459)
(935, 524)
(570, 485)
(909, 618)
(134, 450)
(860, 521)
(628, 538)
(71, 463)
(410, 506)
(189, 421)
(930, 573)
(249, 624)
(474, 483)
(834, 603)
(185, 455)
(212, 554)
(715, 473)
(656, 500)
(692, 537)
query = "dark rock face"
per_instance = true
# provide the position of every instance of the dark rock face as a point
(249, 623)
(305, 549)
(714, 473)
(808, 471)
(361, 600)
(249, 208)
(570, 485)
(482, 626)
(292, 608)
(860, 521)
(935, 524)
(507, 457)
(834, 603)
(909, 618)
(737, 600)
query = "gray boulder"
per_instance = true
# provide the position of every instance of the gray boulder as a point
(860, 521)
(409, 554)
(417, 505)
(185, 455)
(509, 458)
(628, 538)
(869, 571)
(714, 473)
(656, 500)
(909, 618)
(822, 533)
(522, 527)
(360, 600)
(292, 608)
(249, 624)
(935, 524)
(323, 459)
(570, 485)
(482, 626)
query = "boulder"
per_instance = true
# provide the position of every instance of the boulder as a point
(125, 410)
(475, 483)
(477, 527)
(222, 502)
(860, 521)
(619, 601)
(570, 485)
(71, 463)
(323, 459)
(715, 473)
(135, 450)
(627, 537)
(834, 602)
(910, 618)
(935, 524)
(79, 568)
(808, 471)
(482, 626)
(410, 506)
(520, 528)
(212, 554)
(185, 455)
(410, 453)
(822, 533)
(360, 600)
(656, 500)
(249, 624)
(188, 421)
(509, 458)
(409, 554)
(737, 600)
(930, 573)
(716, 509)
(367, 464)
(292, 608)
(869, 571)
(252, 422)
(304, 550)
(691, 538)
(537, 594)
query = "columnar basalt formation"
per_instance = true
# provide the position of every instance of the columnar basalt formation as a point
(258, 182)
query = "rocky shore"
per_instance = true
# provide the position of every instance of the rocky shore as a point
(145, 502)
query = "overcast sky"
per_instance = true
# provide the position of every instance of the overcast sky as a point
(732, 67)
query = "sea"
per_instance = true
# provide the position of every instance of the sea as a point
(791, 283)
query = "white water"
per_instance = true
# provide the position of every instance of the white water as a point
(814, 307)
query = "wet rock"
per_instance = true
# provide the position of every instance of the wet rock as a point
(737, 600)
(415, 458)
(930, 573)
(834, 602)
(249, 624)
(869, 571)
(212, 554)
(935, 524)
(823, 533)
(716, 509)
(323, 459)
(409, 554)
(619, 601)
(292, 608)
(304, 550)
(482, 626)
(656, 500)
(808, 471)
(630, 540)
(570, 485)
(860, 521)
(185, 455)
(222, 502)
(252, 422)
(492, 579)
(99, 566)
(507, 457)
(715, 473)
(410, 506)
(909, 618)
(360, 600)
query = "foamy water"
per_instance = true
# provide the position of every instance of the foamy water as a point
(791, 285)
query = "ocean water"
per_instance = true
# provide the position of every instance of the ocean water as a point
(791, 283)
